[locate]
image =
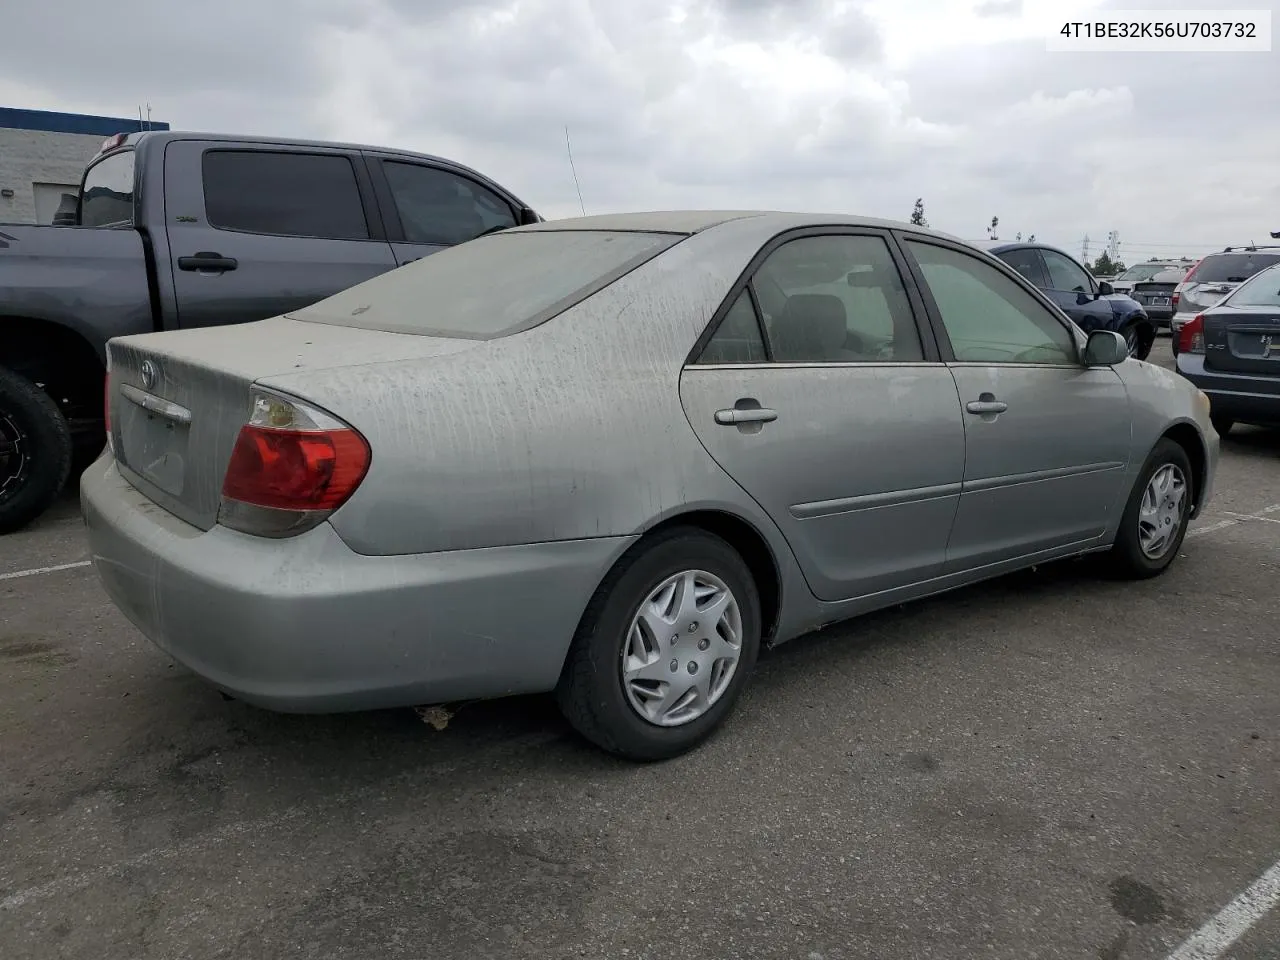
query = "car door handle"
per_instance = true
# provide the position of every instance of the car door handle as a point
(986, 404)
(728, 418)
(208, 261)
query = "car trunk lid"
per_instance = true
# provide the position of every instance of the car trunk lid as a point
(179, 399)
(1154, 292)
(1243, 340)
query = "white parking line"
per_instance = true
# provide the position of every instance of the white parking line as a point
(1232, 921)
(1237, 518)
(38, 570)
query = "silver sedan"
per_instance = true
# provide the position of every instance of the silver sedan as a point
(612, 457)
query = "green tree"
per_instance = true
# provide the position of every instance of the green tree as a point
(993, 231)
(917, 214)
(1104, 266)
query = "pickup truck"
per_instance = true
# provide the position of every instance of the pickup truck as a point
(176, 230)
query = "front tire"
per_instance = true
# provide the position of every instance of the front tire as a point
(1154, 522)
(35, 451)
(664, 648)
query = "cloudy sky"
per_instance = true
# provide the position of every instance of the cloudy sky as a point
(846, 105)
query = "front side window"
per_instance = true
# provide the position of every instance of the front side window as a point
(284, 194)
(987, 316)
(836, 299)
(1064, 274)
(106, 199)
(437, 206)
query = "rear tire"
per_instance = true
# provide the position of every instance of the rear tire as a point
(591, 691)
(1222, 424)
(1139, 337)
(35, 451)
(1132, 556)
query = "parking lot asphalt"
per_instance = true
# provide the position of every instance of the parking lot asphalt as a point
(1048, 765)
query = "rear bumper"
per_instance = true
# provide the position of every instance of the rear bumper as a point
(307, 625)
(1249, 398)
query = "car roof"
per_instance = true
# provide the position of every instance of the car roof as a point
(1001, 246)
(688, 222)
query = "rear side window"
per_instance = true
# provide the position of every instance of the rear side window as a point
(738, 338)
(1026, 262)
(493, 286)
(1232, 267)
(106, 199)
(284, 194)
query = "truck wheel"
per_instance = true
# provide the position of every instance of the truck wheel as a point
(35, 451)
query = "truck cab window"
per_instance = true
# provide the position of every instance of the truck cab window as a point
(283, 194)
(106, 199)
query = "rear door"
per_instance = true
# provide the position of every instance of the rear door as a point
(258, 230)
(1046, 438)
(428, 207)
(819, 394)
(1072, 289)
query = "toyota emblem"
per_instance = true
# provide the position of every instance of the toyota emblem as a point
(148, 374)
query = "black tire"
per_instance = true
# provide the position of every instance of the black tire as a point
(36, 467)
(1222, 424)
(1128, 561)
(1140, 338)
(590, 691)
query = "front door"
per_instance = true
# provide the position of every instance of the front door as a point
(1046, 438)
(256, 231)
(431, 208)
(819, 396)
(1075, 292)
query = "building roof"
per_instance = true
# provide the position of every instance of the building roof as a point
(48, 121)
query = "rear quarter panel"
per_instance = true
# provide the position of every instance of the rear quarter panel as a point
(571, 430)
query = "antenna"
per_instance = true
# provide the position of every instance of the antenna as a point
(574, 170)
(148, 116)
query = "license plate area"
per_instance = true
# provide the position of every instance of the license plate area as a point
(154, 447)
(1254, 345)
(1159, 301)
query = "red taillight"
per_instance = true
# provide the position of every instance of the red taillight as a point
(1191, 336)
(1173, 302)
(295, 469)
(292, 465)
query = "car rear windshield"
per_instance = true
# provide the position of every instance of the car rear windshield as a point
(1232, 267)
(493, 286)
(1262, 291)
(1145, 271)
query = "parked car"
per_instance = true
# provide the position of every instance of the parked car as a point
(1126, 281)
(1091, 303)
(178, 230)
(1155, 294)
(612, 456)
(1212, 278)
(1231, 351)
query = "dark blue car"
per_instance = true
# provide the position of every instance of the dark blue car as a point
(1092, 304)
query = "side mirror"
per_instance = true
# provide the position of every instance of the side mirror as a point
(528, 216)
(1105, 289)
(1105, 348)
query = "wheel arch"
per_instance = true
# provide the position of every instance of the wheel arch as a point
(1188, 437)
(58, 357)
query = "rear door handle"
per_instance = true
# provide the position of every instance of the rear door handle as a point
(727, 418)
(207, 261)
(986, 404)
